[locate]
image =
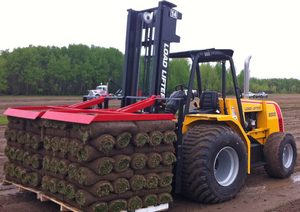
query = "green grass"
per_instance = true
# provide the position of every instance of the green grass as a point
(3, 120)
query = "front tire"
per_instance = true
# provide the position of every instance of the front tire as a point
(281, 154)
(214, 163)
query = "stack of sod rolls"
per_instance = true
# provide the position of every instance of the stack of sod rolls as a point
(24, 151)
(104, 166)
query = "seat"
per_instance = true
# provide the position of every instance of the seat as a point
(209, 102)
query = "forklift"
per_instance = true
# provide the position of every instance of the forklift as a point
(219, 139)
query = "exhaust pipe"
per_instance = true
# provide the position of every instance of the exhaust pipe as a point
(246, 76)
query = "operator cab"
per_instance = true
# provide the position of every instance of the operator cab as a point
(209, 102)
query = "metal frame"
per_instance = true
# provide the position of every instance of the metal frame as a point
(78, 113)
(151, 30)
(211, 55)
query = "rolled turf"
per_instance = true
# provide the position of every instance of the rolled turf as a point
(168, 158)
(121, 185)
(87, 153)
(52, 185)
(150, 200)
(45, 183)
(140, 139)
(70, 192)
(121, 163)
(85, 176)
(102, 188)
(62, 167)
(137, 182)
(105, 143)
(138, 161)
(72, 170)
(155, 138)
(102, 166)
(154, 159)
(63, 145)
(47, 142)
(165, 198)
(134, 203)
(152, 181)
(117, 205)
(123, 140)
(61, 187)
(165, 179)
(46, 162)
(36, 161)
(169, 137)
(84, 198)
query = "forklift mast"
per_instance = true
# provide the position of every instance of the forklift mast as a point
(148, 37)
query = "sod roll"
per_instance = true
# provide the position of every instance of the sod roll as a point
(61, 187)
(84, 198)
(165, 198)
(137, 182)
(168, 158)
(138, 161)
(72, 170)
(152, 181)
(140, 139)
(70, 192)
(62, 167)
(104, 143)
(87, 153)
(102, 166)
(85, 176)
(134, 203)
(169, 137)
(156, 138)
(154, 159)
(123, 140)
(121, 185)
(36, 161)
(122, 163)
(52, 185)
(165, 179)
(47, 142)
(102, 188)
(117, 205)
(150, 200)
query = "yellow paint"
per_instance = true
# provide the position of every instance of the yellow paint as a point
(267, 120)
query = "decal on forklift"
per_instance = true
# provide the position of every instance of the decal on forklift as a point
(164, 71)
(234, 113)
(174, 14)
(273, 114)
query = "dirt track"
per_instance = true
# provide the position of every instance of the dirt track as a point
(259, 194)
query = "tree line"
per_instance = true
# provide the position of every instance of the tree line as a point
(74, 69)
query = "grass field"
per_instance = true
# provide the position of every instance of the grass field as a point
(3, 120)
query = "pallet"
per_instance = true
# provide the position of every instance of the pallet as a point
(65, 207)
(43, 197)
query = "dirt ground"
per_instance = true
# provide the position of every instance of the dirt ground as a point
(260, 192)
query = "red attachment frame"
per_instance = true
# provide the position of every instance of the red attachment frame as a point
(77, 114)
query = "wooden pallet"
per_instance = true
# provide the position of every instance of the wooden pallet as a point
(65, 207)
(43, 197)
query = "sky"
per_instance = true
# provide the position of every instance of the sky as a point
(268, 30)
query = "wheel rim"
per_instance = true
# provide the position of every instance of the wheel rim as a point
(226, 166)
(287, 155)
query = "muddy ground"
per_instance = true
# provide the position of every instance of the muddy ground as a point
(260, 192)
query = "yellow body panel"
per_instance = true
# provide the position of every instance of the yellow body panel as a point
(267, 114)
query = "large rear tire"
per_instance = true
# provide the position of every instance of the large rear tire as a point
(214, 163)
(281, 154)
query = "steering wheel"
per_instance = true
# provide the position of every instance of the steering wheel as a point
(182, 87)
